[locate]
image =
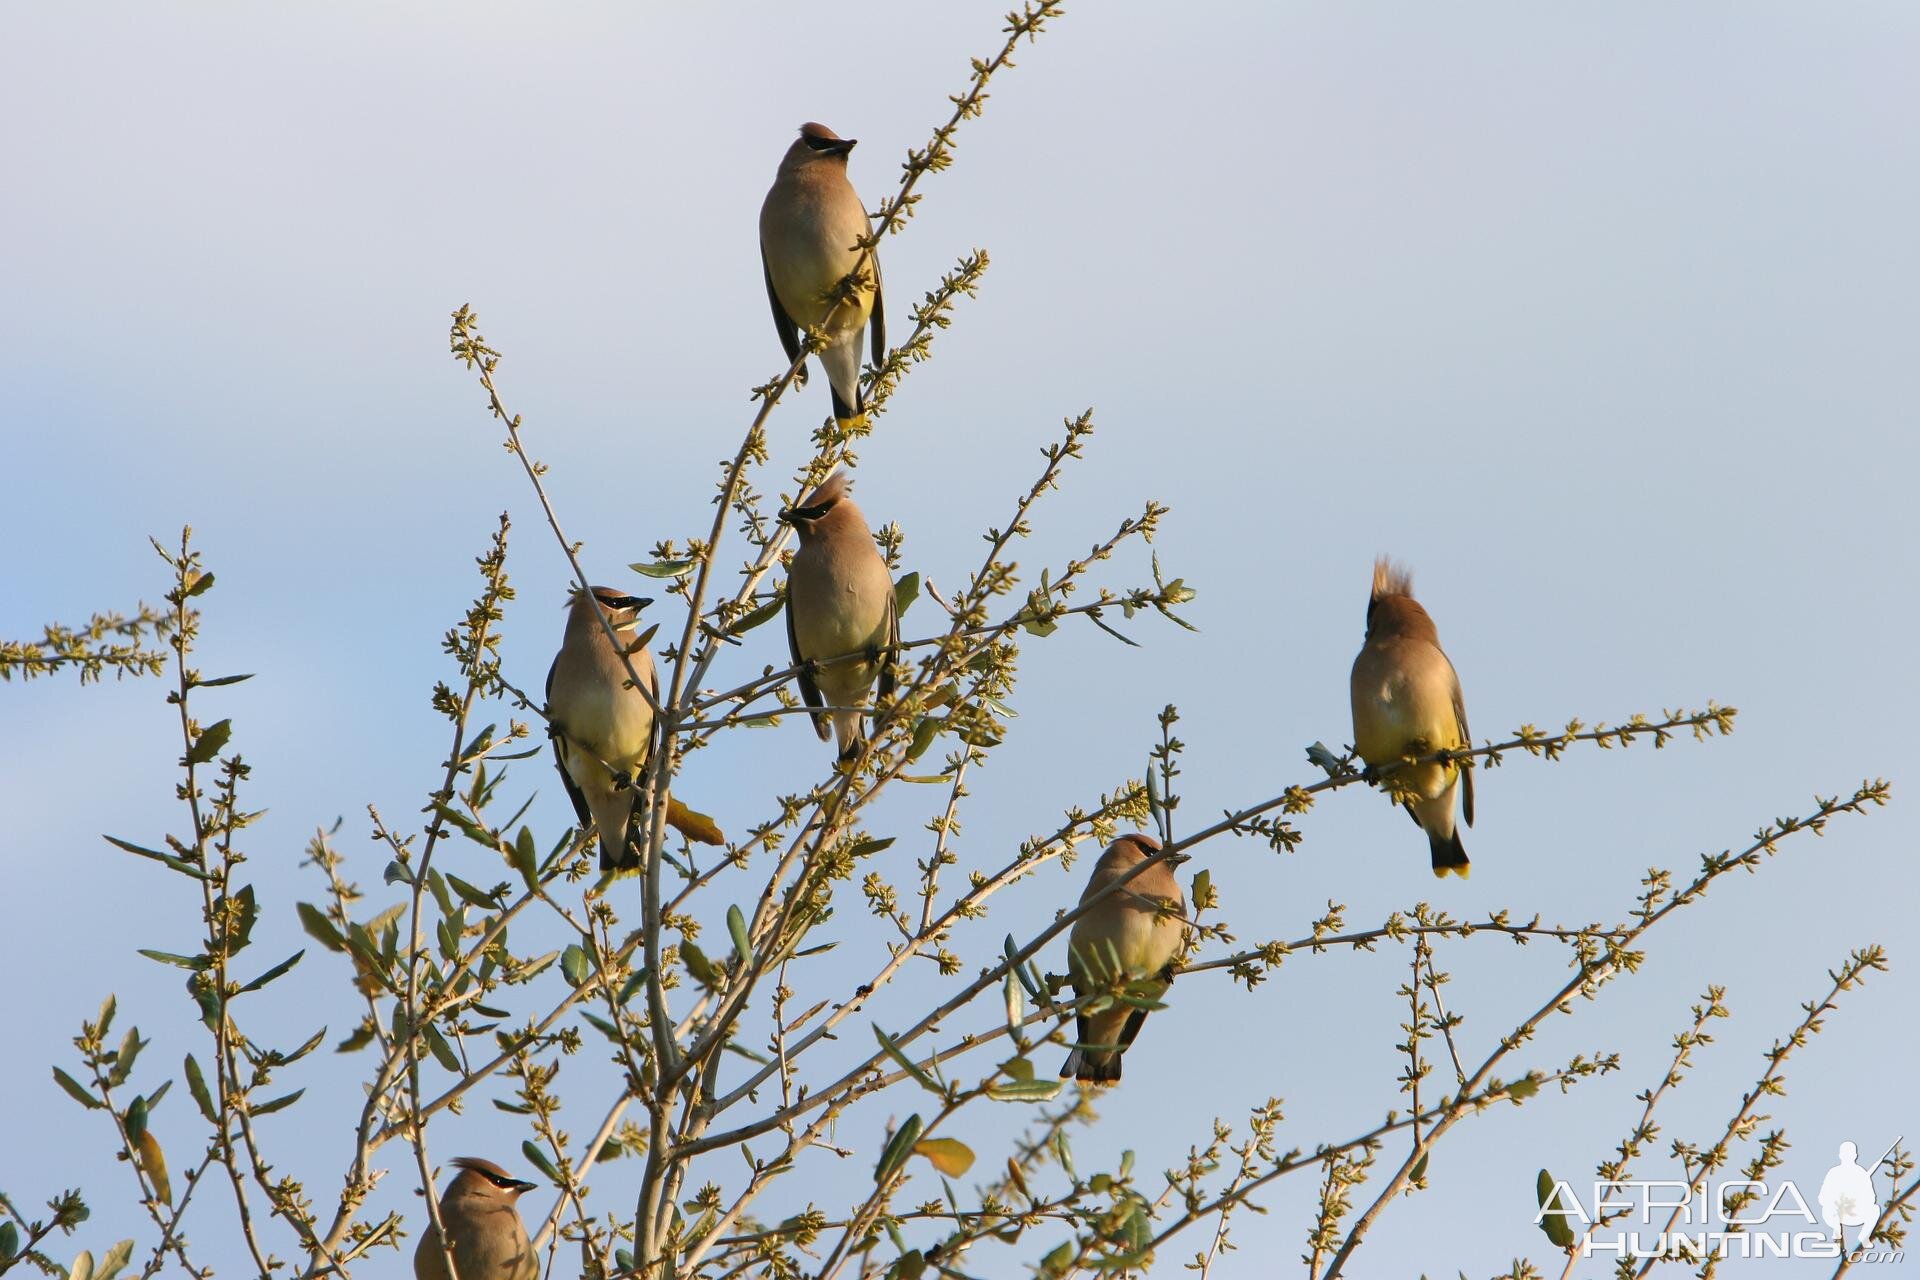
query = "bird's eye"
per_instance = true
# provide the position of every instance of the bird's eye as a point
(822, 144)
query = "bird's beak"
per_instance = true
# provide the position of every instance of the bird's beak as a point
(843, 146)
(523, 1187)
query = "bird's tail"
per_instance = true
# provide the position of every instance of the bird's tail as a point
(1090, 1066)
(849, 733)
(1449, 855)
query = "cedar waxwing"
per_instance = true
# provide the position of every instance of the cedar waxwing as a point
(481, 1214)
(1145, 938)
(839, 602)
(602, 726)
(810, 227)
(1406, 702)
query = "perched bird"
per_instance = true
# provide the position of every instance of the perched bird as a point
(1406, 702)
(811, 224)
(1145, 921)
(603, 727)
(483, 1221)
(839, 603)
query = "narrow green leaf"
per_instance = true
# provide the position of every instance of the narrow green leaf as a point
(1554, 1223)
(472, 893)
(737, 926)
(241, 934)
(758, 617)
(894, 1051)
(125, 1056)
(274, 972)
(437, 1045)
(319, 928)
(575, 966)
(905, 592)
(1026, 1090)
(525, 858)
(211, 739)
(197, 1086)
(178, 864)
(196, 963)
(538, 1159)
(278, 1104)
(665, 568)
(219, 681)
(898, 1148)
(513, 1108)
(115, 1261)
(9, 1241)
(136, 1118)
(397, 872)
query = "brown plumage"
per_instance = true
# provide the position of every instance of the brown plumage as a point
(603, 727)
(1144, 923)
(811, 224)
(1407, 702)
(481, 1211)
(839, 603)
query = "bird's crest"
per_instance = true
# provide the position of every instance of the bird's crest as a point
(1390, 579)
(478, 1165)
(814, 129)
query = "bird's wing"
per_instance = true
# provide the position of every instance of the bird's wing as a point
(1466, 737)
(782, 322)
(893, 641)
(878, 322)
(560, 755)
(808, 689)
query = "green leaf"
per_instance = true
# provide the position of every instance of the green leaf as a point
(1522, 1089)
(76, 1092)
(759, 617)
(1554, 1223)
(869, 846)
(925, 730)
(219, 681)
(666, 568)
(241, 933)
(124, 1057)
(898, 1148)
(319, 928)
(196, 963)
(601, 1025)
(1202, 889)
(197, 584)
(699, 966)
(525, 858)
(154, 1162)
(397, 872)
(513, 1108)
(472, 893)
(950, 1156)
(575, 965)
(538, 1159)
(9, 1241)
(82, 1268)
(631, 987)
(181, 865)
(894, 1051)
(115, 1261)
(211, 739)
(1026, 1090)
(905, 592)
(437, 1045)
(197, 1086)
(274, 972)
(737, 926)
(280, 1103)
(136, 1118)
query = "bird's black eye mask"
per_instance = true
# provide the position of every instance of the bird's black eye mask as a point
(830, 146)
(794, 515)
(624, 602)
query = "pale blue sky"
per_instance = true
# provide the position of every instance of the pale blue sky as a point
(1603, 319)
